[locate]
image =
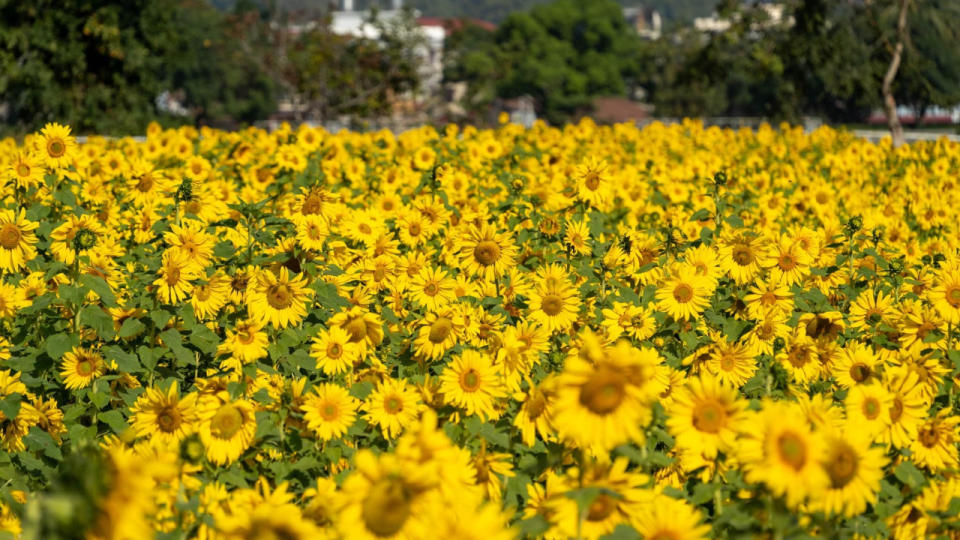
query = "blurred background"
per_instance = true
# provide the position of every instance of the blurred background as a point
(113, 66)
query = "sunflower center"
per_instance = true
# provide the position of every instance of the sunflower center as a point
(592, 181)
(859, 372)
(311, 205)
(928, 436)
(709, 416)
(357, 329)
(487, 252)
(440, 329)
(334, 350)
(798, 356)
(842, 466)
(896, 410)
(145, 183)
(86, 366)
(683, 293)
(10, 236)
(535, 406)
(728, 362)
(414, 229)
(168, 419)
(792, 450)
(202, 293)
(393, 405)
(742, 255)
(871, 408)
(787, 262)
(552, 304)
(279, 296)
(601, 507)
(953, 296)
(56, 148)
(430, 289)
(470, 380)
(386, 507)
(245, 336)
(768, 299)
(227, 422)
(329, 412)
(23, 170)
(603, 392)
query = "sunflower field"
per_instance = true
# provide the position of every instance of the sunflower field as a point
(582, 332)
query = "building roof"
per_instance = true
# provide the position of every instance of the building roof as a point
(451, 25)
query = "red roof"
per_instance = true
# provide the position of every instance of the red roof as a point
(451, 25)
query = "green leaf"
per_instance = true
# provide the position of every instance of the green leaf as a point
(204, 339)
(98, 285)
(533, 527)
(98, 319)
(115, 420)
(38, 439)
(174, 341)
(622, 532)
(57, 345)
(909, 474)
(10, 405)
(130, 328)
(126, 362)
(702, 493)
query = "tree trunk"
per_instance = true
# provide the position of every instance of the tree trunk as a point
(889, 103)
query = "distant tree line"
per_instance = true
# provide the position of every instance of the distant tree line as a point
(101, 66)
(829, 61)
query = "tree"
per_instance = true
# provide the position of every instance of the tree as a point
(561, 54)
(889, 102)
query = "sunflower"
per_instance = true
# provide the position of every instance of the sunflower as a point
(226, 427)
(619, 501)
(12, 300)
(25, 170)
(384, 498)
(329, 411)
(554, 306)
(593, 181)
(246, 342)
(706, 416)
(485, 252)
(79, 367)
(312, 231)
(279, 299)
(536, 413)
(731, 363)
(604, 394)
(908, 407)
(801, 358)
(670, 519)
(173, 284)
(868, 407)
(788, 262)
(872, 310)
(767, 296)
(741, 255)
(780, 450)
(165, 415)
(208, 297)
(364, 327)
(684, 295)
(57, 146)
(191, 239)
(945, 297)
(491, 469)
(935, 447)
(78, 235)
(439, 333)
(854, 470)
(857, 365)
(432, 288)
(392, 406)
(472, 382)
(17, 240)
(333, 351)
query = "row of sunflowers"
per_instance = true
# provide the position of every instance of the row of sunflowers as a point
(577, 332)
